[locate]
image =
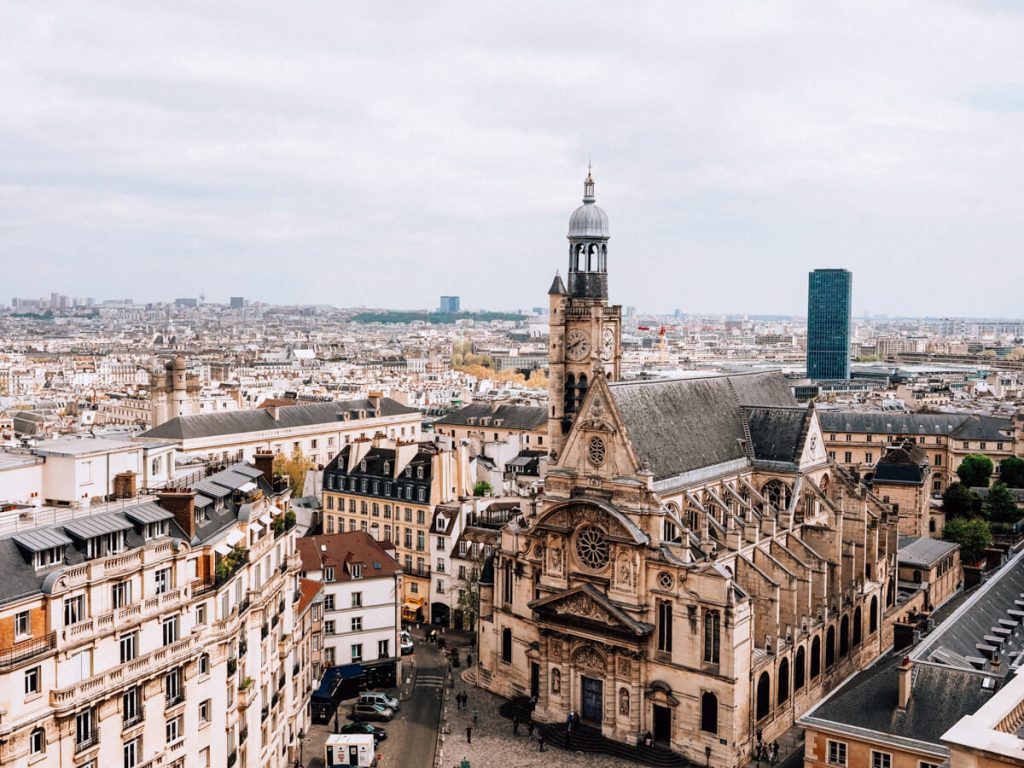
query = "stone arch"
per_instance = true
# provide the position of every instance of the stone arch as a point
(777, 493)
(815, 657)
(589, 657)
(830, 646)
(799, 664)
(858, 623)
(782, 682)
(709, 712)
(570, 393)
(890, 593)
(873, 614)
(844, 636)
(764, 696)
(823, 484)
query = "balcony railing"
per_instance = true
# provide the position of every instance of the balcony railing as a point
(176, 698)
(132, 720)
(88, 740)
(27, 649)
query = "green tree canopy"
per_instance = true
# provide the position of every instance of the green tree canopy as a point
(482, 488)
(959, 501)
(1000, 506)
(1011, 472)
(293, 469)
(975, 470)
(973, 536)
(469, 597)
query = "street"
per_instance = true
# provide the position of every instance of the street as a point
(412, 735)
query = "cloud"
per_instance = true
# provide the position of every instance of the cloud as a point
(357, 153)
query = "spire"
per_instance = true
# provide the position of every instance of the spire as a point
(557, 286)
(588, 185)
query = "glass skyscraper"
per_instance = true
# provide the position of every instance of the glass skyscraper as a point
(828, 323)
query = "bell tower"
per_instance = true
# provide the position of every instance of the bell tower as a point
(585, 332)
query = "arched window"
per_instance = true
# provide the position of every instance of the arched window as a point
(782, 683)
(709, 712)
(873, 615)
(844, 636)
(798, 669)
(777, 493)
(815, 657)
(764, 696)
(570, 393)
(890, 594)
(917, 576)
(506, 645)
(858, 621)
(830, 647)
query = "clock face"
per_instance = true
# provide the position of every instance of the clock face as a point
(577, 345)
(607, 344)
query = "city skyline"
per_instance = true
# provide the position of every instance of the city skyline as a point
(195, 147)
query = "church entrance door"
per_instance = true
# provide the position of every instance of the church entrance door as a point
(593, 700)
(662, 724)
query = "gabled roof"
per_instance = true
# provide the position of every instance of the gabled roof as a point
(587, 605)
(338, 550)
(679, 425)
(776, 433)
(924, 550)
(240, 422)
(505, 416)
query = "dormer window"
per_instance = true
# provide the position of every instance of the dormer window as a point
(362, 466)
(328, 574)
(387, 467)
(157, 530)
(408, 471)
(47, 557)
(419, 473)
(102, 546)
(357, 570)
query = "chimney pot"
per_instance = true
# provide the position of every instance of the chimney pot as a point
(905, 672)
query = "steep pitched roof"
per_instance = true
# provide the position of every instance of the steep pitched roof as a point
(240, 422)
(777, 433)
(528, 417)
(338, 550)
(959, 425)
(679, 425)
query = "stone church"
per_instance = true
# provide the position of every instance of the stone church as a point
(696, 567)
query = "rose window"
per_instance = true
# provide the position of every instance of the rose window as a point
(665, 580)
(596, 451)
(592, 547)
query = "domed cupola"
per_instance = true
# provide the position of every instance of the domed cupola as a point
(588, 247)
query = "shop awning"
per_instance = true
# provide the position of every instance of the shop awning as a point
(267, 520)
(255, 527)
(233, 538)
(413, 603)
(222, 549)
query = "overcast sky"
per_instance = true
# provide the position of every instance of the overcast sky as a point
(385, 153)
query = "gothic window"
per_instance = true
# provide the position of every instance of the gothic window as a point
(691, 518)
(844, 636)
(783, 682)
(709, 712)
(596, 451)
(777, 494)
(858, 620)
(764, 696)
(873, 615)
(815, 657)
(830, 647)
(570, 393)
(798, 669)
(712, 637)
(506, 582)
(665, 626)
(592, 547)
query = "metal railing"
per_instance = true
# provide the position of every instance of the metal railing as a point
(27, 649)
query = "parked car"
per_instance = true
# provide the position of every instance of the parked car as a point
(379, 734)
(365, 710)
(405, 640)
(379, 697)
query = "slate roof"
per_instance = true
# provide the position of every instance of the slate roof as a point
(958, 425)
(939, 698)
(240, 422)
(777, 433)
(923, 551)
(679, 425)
(905, 463)
(338, 550)
(528, 417)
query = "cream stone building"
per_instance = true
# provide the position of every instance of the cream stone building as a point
(697, 568)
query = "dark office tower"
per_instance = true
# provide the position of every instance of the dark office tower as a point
(450, 305)
(238, 302)
(828, 323)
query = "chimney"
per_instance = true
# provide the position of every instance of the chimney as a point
(905, 672)
(275, 412)
(375, 397)
(264, 462)
(181, 504)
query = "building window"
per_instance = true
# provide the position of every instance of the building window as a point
(74, 609)
(837, 753)
(172, 687)
(848, 457)
(201, 614)
(665, 626)
(204, 664)
(357, 652)
(712, 637)
(869, 458)
(85, 731)
(173, 729)
(383, 649)
(204, 711)
(23, 625)
(37, 742)
(170, 630)
(506, 645)
(357, 570)
(881, 759)
(328, 627)
(129, 647)
(357, 623)
(328, 602)
(328, 574)
(132, 750)
(131, 707)
(357, 599)
(32, 680)
(709, 712)
(162, 579)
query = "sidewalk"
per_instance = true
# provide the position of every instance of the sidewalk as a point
(791, 742)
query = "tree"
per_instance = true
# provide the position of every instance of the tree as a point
(959, 501)
(1011, 472)
(537, 379)
(1000, 506)
(975, 470)
(482, 488)
(469, 597)
(292, 469)
(973, 536)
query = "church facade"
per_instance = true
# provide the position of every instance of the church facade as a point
(697, 568)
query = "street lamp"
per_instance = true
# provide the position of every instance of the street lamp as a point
(707, 755)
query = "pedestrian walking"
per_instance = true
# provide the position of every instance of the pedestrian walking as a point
(575, 719)
(515, 725)
(569, 721)
(474, 715)
(540, 741)
(469, 734)
(529, 727)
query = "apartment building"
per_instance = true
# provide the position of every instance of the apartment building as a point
(389, 490)
(361, 582)
(857, 440)
(123, 632)
(526, 425)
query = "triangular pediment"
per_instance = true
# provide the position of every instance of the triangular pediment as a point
(598, 443)
(588, 607)
(813, 451)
